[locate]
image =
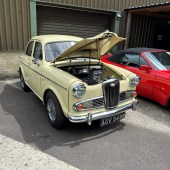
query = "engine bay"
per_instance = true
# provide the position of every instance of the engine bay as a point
(92, 74)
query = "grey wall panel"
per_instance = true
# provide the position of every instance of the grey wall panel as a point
(3, 26)
(14, 24)
(15, 21)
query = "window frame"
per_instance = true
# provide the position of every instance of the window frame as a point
(32, 41)
(147, 64)
(36, 41)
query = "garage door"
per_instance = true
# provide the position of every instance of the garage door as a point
(52, 20)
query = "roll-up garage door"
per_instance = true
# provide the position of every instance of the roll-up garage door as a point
(52, 20)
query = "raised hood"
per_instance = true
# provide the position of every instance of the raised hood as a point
(94, 47)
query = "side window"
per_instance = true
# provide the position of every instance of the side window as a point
(119, 58)
(38, 51)
(115, 58)
(142, 61)
(131, 60)
(29, 48)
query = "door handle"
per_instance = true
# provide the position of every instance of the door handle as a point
(34, 61)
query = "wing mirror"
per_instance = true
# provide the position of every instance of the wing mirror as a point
(144, 68)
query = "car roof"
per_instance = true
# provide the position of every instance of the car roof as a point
(54, 38)
(137, 50)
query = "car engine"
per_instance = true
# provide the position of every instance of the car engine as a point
(90, 74)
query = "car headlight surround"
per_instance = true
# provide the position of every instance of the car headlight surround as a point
(79, 90)
(134, 81)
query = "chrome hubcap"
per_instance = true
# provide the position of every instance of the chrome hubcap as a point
(51, 110)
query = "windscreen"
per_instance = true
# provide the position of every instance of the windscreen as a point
(54, 49)
(160, 60)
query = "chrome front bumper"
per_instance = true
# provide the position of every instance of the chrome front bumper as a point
(100, 115)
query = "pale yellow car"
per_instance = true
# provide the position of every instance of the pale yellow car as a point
(66, 73)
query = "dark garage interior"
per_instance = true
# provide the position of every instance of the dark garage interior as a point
(148, 26)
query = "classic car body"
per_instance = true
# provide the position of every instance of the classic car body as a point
(65, 72)
(152, 66)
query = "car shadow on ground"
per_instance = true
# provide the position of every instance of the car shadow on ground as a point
(31, 116)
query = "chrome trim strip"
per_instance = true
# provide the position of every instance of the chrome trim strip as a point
(100, 115)
(125, 100)
(90, 99)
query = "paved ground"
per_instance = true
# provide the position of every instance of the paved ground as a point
(16, 155)
(141, 141)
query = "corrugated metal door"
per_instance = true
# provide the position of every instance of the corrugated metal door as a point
(52, 20)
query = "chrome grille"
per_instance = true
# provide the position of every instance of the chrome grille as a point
(111, 93)
(90, 104)
(93, 104)
(98, 102)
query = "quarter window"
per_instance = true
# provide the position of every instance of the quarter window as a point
(128, 59)
(29, 48)
(38, 51)
(131, 60)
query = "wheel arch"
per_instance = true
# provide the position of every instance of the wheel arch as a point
(50, 90)
(45, 94)
(21, 70)
(60, 93)
(63, 107)
(168, 102)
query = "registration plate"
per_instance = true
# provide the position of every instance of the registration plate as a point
(110, 120)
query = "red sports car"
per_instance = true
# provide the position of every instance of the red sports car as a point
(151, 65)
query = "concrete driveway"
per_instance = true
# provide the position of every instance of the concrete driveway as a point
(140, 141)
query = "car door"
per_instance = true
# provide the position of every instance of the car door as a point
(36, 67)
(132, 62)
(26, 60)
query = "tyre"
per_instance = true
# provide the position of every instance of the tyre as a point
(54, 110)
(22, 82)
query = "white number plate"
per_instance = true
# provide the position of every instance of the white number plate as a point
(110, 120)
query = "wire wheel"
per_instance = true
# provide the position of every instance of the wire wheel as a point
(51, 110)
(55, 114)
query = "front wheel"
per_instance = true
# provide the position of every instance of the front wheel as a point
(54, 110)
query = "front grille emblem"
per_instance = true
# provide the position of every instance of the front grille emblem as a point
(112, 85)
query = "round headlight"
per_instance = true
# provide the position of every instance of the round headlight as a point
(79, 90)
(134, 81)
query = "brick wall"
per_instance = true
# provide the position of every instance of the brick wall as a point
(9, 64)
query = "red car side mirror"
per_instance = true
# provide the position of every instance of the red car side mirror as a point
(144, 68)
